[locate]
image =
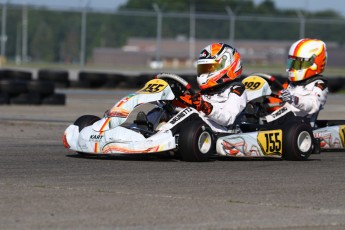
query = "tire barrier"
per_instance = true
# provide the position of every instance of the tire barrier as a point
(336, 84)
(91, 79)
(8, 74)
(32, 92)
(60, 78)
(114, 80)
(17, 86)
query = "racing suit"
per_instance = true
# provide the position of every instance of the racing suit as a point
(309, 98)
(226, 104)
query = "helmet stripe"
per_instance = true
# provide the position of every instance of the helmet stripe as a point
(297, 48)
(215, 49)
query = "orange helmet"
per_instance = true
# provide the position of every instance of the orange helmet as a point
(307, 57)
(218, 63)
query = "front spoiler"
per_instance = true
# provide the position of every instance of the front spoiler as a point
(119, 140)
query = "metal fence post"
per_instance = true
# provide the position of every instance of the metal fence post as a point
(192, 34)
(302, 24)
(25, 32)
(3, 29)
(232, 18)
(83, 33)
(159, 33)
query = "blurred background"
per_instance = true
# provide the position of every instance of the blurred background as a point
(161, 35)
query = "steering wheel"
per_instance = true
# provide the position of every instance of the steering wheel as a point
(178, 85)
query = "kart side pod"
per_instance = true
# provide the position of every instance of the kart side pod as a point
(292, 141)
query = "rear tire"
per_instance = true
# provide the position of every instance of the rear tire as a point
(298, 141)
(196, 142)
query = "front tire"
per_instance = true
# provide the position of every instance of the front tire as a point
(196, 142)
(298, 141)
(85, 120)
(82, 122)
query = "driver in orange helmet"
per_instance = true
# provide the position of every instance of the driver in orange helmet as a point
(222, 95)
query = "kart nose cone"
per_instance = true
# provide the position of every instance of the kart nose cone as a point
(64, 141)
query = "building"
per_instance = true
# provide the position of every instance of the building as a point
(182, 53)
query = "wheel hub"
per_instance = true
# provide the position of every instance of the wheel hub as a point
(204, 142)
(304, 141)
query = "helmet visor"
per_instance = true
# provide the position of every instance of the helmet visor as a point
(208, 68)
(298, 63)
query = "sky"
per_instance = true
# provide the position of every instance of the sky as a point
(309, 5)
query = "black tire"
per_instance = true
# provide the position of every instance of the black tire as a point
(54, 99)
(196, 142)
(82, 122)
(26, 99)
(130, 82)
(143, 78)
(2, 74)
(335, 84)
(92, 79)
(60, 78)
(298, 141)
(18, 75)
(4, 99)
(86, 120)
(13, 87)
(41, 87)
(114, 80)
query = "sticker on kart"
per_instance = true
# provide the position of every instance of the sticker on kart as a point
(342, 134)
(253, 83)
(271, 142)
(153, 86)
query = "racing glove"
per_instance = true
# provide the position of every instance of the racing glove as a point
(196, 102)
(186, 99)
(286, 96)
(201, 105)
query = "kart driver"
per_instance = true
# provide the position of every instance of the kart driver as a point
(306, 91)
(222, 95)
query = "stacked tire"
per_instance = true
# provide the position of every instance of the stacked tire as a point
(60, 78)
(101, 80)
(17, 87)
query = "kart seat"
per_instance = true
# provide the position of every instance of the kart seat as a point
(142, 122)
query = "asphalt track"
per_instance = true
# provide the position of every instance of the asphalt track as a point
(44, 186)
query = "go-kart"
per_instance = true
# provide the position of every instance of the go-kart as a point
(329, 134)
(153, 120)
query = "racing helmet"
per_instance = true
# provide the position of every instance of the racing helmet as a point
(307, 57)
(218, 63)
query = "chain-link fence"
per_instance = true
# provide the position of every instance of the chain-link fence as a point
(73, 36)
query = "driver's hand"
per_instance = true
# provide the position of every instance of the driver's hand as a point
(186, 99)
(201, 105)
(286, 96)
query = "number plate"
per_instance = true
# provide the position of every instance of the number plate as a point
(271, 142)
(154, 86)
(253, 83)
(342, 134)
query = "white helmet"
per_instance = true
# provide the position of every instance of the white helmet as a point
(307, 57)
(218, 63)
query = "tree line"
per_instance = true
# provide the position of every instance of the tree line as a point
(54, 35)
